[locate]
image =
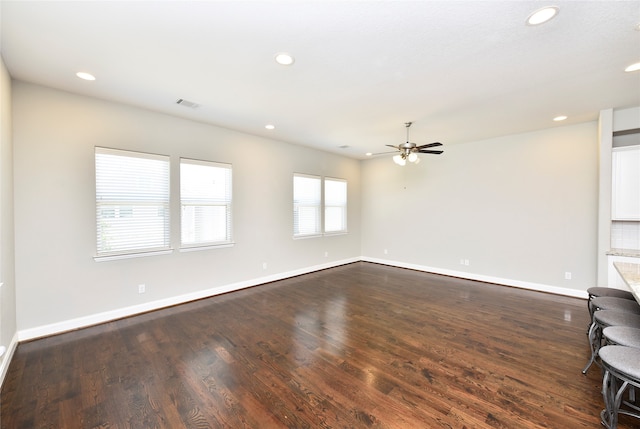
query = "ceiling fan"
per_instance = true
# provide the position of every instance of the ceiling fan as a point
(409, 151)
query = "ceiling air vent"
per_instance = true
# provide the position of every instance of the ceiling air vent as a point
(187, 103)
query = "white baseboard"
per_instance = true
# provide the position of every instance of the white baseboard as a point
(5, 360)
(482, 278)
(107, 316)
(94, 319)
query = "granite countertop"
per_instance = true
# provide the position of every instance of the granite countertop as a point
(633, 253)
(630, 273)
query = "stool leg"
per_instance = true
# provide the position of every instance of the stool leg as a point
(595, 338)
(605, 415)
(616, 402)
(590, 314)
(591, 310)
(612, 396)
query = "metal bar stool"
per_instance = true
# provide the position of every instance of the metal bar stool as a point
(595, 292)
(603, 319)
(622, 336)
(609, 291)
(613, 303)
(606, 303)
(621, 371)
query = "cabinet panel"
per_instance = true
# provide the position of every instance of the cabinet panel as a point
(625, 203)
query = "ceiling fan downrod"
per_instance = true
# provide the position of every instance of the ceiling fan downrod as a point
(408, 124)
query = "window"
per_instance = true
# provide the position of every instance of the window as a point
(205, 200)
(335, 205)
(306, 205)
(132, 202)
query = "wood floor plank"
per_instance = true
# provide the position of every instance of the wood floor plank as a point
(357, 346)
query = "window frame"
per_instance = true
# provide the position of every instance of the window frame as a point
(322, 207)
(314, 204)
(225, 202)
(161, 199)
(343, 207)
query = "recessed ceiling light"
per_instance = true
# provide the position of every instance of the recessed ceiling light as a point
(284, 59)
(543, 15)
(368, 154)
(270, 127)
(560, 118)
(85, 76)
(633, 67)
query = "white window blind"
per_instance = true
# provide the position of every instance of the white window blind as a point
(205, 198)
(335, 205)
(306, 205)
(132, 202)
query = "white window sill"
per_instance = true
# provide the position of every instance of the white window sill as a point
(131, 255)
(302, 237)
(206, 247)
(326, 234)
(336, 233)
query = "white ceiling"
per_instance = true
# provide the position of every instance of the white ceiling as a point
(460, 70)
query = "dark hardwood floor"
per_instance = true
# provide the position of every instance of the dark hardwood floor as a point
(357, 346)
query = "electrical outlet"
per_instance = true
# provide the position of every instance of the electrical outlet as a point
(386, 252)
(264, 265)
(466, 262)
(326, 254)
(142, 288)
(567, 275)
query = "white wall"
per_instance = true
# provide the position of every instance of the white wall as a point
(605, 144)
(626, 119)
(522, 209)
(8, 327)
(60, 284)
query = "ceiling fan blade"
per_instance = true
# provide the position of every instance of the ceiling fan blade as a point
(424, 146)
(395, 147)
(383, 153)
(434, 152)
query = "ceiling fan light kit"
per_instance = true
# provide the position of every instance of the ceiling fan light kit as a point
(399, 159)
